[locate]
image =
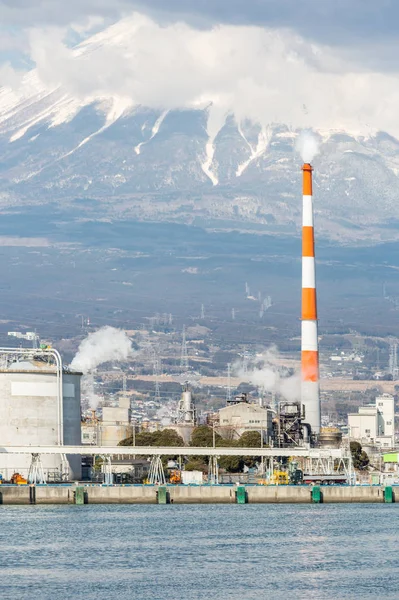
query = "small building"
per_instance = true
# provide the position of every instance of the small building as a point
(130, 470)
(235, 419)
(375, 423)
(116, 424)
(89, 433)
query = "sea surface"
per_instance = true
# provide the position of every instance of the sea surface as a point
(199, 552)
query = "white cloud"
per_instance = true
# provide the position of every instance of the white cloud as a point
(268, 75)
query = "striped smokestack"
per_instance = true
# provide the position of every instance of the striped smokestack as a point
(309, 346)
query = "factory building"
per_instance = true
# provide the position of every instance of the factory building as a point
(374, 424)
(89, 429)
(115, 425)
(39, 406)
(186, 418)
(241, 416)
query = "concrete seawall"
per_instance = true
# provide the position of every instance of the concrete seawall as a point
(223, 494)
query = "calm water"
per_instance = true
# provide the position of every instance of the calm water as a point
(194, 552)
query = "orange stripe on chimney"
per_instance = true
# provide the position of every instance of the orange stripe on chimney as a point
(307, 241)
(309, 304)
(307, 179)
(310, 365)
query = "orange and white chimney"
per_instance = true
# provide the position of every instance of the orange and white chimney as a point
(310, 393)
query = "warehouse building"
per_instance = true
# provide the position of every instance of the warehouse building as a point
(374, 424)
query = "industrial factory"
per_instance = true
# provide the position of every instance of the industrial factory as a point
(39, 406)
(44, 439)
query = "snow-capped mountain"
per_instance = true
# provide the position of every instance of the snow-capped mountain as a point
(157, 164)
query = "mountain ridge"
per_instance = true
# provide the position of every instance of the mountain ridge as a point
(142, 163)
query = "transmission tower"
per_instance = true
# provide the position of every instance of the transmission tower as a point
(124, 385)
(202, 312)
(228, 391)
(393, 360)
(184, 356)
(233, 314)
(245, 360)
(157, 369)
(267, 302)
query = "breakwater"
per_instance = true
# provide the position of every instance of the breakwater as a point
(202, 494)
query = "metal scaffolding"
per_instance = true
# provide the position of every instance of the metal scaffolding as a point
(36, 471)
(65, 470)
(107, 469)
(156, 475)
(213, 470)
(329, 465)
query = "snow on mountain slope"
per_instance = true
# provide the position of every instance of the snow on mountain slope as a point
(193, 164)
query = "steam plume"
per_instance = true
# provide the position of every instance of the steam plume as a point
(267, 373)
(102, 346)
(307, 145)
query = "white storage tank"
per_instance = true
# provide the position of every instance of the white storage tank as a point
(34, 412)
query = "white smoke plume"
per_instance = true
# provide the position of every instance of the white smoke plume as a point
(88, 394)
(104, 345)
(307, 144)
(269, 375)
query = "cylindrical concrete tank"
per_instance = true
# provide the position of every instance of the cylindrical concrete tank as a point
(115, 426)
(30, 415)
(112, 434)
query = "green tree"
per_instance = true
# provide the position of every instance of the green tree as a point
(360, 458)
(144, 438)
(250, 439)
(202, 437)
(169, 437)
(196, 463)
(231, 464)
(165, 437)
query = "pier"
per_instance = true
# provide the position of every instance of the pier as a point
(193, 494)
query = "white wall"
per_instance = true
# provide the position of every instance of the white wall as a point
(29, 417)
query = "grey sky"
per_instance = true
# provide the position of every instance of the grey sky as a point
(335, 22)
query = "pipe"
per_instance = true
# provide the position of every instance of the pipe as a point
(307, 431)
(310, 392)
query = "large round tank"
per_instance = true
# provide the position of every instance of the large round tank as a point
(330, 437)
(30, 415)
